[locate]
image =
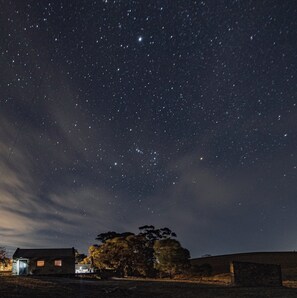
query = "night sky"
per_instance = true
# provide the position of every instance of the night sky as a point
(120, 113)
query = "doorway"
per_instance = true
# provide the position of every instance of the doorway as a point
(22, 267)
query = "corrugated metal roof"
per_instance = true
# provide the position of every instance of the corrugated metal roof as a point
(44, 252)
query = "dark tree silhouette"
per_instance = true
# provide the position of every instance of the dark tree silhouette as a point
(79, 257)
(153, 234)
(103, 237)
(3, 256)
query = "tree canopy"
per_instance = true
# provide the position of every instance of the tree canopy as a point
(171, 257)
(103, 237)
(139, 254)
(153, 234)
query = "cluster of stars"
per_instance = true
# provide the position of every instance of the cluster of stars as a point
(118, 92)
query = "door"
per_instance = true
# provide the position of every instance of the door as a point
(23, 267)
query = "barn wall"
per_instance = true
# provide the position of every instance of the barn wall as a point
(255, 274)
(14, 267)
(68, 266)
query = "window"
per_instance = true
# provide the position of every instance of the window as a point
(58, 263)
(40, 263)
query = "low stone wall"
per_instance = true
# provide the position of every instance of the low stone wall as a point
(255, 274)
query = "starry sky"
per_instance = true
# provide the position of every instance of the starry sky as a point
(120, 113)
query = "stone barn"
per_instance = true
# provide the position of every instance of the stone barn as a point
(43, 261)
(221, 264)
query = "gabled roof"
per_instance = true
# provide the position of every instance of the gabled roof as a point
(44, 252)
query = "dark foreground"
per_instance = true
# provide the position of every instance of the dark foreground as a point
(46, 287)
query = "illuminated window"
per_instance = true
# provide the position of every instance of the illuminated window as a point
(58, 263)
(40, 263)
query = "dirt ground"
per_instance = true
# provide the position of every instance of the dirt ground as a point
(46, 287)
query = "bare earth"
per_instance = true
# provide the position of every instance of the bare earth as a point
(45, 287)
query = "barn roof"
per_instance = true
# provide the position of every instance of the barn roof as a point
(44, 252)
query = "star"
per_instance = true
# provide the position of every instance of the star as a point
(161, 104)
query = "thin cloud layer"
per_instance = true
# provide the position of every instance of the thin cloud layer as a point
(194, 129)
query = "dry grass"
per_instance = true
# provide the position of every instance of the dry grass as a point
(45, 287)
(11, 286)
(290, 284)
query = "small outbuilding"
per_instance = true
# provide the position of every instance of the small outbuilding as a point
(43, 261)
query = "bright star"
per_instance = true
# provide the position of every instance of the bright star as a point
(138, 151)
